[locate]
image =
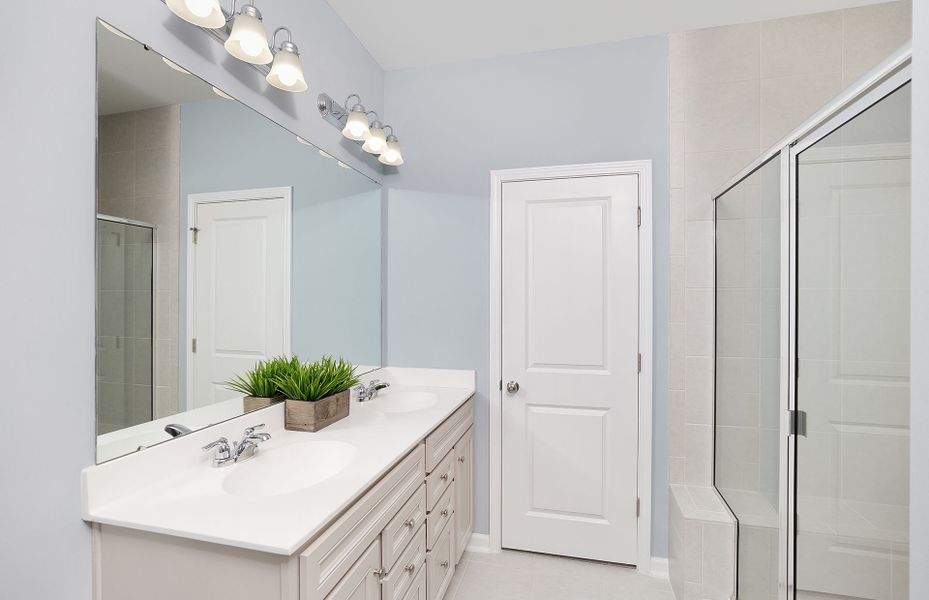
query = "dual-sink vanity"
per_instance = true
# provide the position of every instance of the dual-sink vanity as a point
(377, 505)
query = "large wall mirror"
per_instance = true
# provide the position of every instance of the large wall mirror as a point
(222, 239)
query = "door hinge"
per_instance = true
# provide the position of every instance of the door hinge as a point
(638, 363)
(501, 385)
(193, 345)
(638, 507)
(796, 422)
(638, 216)
(195, 231)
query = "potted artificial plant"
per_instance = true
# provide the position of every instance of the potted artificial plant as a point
(317, 394)
(260, 384)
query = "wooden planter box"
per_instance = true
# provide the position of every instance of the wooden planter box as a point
(313, 416)
(250, 403)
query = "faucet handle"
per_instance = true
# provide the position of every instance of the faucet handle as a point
(222, 442)
(250, 430)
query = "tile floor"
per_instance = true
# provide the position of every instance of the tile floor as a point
(514, 575)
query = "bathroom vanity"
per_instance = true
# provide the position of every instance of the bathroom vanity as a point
(376, 506)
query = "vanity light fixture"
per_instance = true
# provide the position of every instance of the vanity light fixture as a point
(248, 40)
(377, 139)
(203, 13)
(356, 127)
(391, 155)
(286, 71)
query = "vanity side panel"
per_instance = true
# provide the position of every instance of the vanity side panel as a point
(147, 566)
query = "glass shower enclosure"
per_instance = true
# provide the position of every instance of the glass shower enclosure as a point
(125, 323)
(812, 352)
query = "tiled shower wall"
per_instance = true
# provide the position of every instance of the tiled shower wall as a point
(138, 178)
(735, 91)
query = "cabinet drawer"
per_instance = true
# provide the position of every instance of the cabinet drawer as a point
(440, 441)
(440, 565)
(439, 480)
(401, 576)
(403, 527)
(443, 513)
(329, 558)
(417, 591)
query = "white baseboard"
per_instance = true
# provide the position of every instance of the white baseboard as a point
(479, 542)
(658, 567)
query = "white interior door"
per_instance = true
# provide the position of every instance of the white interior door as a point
(570, 342)
(240, 287)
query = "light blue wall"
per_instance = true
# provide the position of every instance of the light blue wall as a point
(458, 122)
(336, 258)
(47, 243)
(919, 390)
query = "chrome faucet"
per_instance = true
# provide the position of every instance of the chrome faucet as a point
(227, 453)
(370, 391)
(177, 430)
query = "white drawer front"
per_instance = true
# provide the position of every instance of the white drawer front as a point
(330, 557)
(440, 441)
(440, 517)
(401, 576)
(361, 582)
(418, 590)
(403, 527)
(439, 480)
(440, 565)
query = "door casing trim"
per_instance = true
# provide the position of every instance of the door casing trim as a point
(642, 169)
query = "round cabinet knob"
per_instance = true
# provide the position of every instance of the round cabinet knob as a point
(410, 522)
(444, 512)
(409, 568)
(512, 387)
(444, 564)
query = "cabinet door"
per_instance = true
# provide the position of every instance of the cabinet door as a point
(361, 582)
(464, 492)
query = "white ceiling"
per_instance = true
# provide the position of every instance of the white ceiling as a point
(129, 77)
(414, 33)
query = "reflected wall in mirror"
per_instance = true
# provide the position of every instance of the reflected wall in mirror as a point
(222, 239)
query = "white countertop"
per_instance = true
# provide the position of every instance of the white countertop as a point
(172, 488)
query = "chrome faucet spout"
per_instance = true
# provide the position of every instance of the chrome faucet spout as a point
(369, 392)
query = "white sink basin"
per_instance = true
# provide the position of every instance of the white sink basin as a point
(402, 401)
(288, 469)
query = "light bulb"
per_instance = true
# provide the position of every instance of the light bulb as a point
(377, 141)
(391, 155)
(251, 45)
(286, 72)
(201, 8)
(248, 40)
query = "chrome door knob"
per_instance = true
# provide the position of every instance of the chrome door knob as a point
(512, 387)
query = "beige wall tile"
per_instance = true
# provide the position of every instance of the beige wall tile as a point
(871, 34)
(698, 394)
(786, 102)
(801, 45)
(115, 133)
(678, 211)
(676, 302)
(699, 322)
(699, 440)
(706, 173)
(115, 175)
(158, 127)
(676, 150)
(722, 116)
(699, 260)
(675, 355)
(717, 54)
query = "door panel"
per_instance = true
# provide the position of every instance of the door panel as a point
(240, 297)
(361, 582)
(570, 340)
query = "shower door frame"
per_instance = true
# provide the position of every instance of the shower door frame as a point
(154, 228)
(874, 86)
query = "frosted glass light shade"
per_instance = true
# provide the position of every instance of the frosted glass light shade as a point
(391, 155)
(356, 128)
(248, 40)
(376, 142)
(287, 72)
(203, 13)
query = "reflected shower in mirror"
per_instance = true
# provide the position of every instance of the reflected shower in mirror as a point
(222, 239)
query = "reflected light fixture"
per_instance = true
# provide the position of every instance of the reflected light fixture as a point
(221, 93)
(248, 40)
(377, 139)
(391, 155)
(203, 13)
(356, 127)
(343, 165)
(175, 66)
(303, 141)
(324, 154)
(286, 71)
(114, 31)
